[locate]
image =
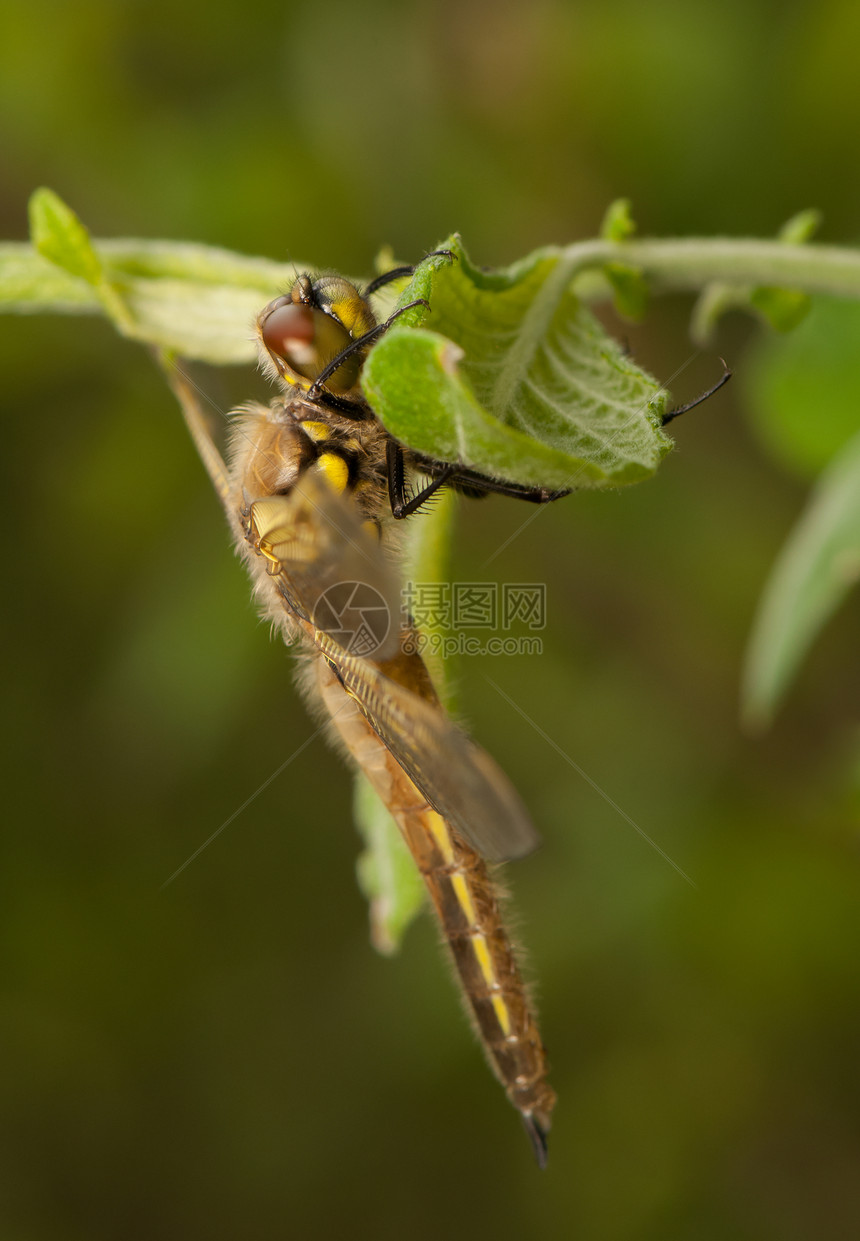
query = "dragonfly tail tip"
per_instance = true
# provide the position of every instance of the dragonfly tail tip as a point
(537, 1137)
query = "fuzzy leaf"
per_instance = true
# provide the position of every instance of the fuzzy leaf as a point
(191, 300)
(195, 301)
(784, 309)
(630, 289)
(618, 224)
(31, 283)
(816, 568)
(516, 379)
(801, 227)
(59, 236)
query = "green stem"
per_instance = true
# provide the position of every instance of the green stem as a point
(116, 309)
(691, 263)
(428, 557)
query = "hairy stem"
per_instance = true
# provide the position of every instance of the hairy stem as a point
(691, 263)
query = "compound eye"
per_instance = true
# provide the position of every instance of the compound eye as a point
(301, 340)
(289, 331)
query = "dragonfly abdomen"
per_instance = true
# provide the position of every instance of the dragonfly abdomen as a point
(466, 901)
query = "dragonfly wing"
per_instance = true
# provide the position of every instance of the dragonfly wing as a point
(329, 567)
(457, 777)
(334, 577)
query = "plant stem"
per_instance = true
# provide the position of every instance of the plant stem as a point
(428, 557)
(691, 263)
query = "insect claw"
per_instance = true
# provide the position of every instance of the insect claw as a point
(442, 254)
(685, 409)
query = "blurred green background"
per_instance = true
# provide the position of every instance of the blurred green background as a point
(228, 1057)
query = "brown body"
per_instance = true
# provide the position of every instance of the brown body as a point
(467, 904)
(305, 494)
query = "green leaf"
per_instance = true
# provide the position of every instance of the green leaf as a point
(801, 227)
(59, 236)
(387, 873)
(517, 379)
(195, 301)
(814, 572)
(630, 289)
(804, 394)
(784, 309)
(618, 223)
(29, 283)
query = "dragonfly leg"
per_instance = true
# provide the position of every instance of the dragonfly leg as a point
(703, 396)
(398, 273)
(401, 504)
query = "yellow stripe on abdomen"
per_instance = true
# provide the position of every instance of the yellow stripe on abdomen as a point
(464, 897)
(485, 964)
(501, 1010)
(439, 831)
(482, 952)
(459, 882)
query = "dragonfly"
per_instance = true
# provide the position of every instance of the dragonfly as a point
(313, 488)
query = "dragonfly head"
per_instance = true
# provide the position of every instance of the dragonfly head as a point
(303, 331)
